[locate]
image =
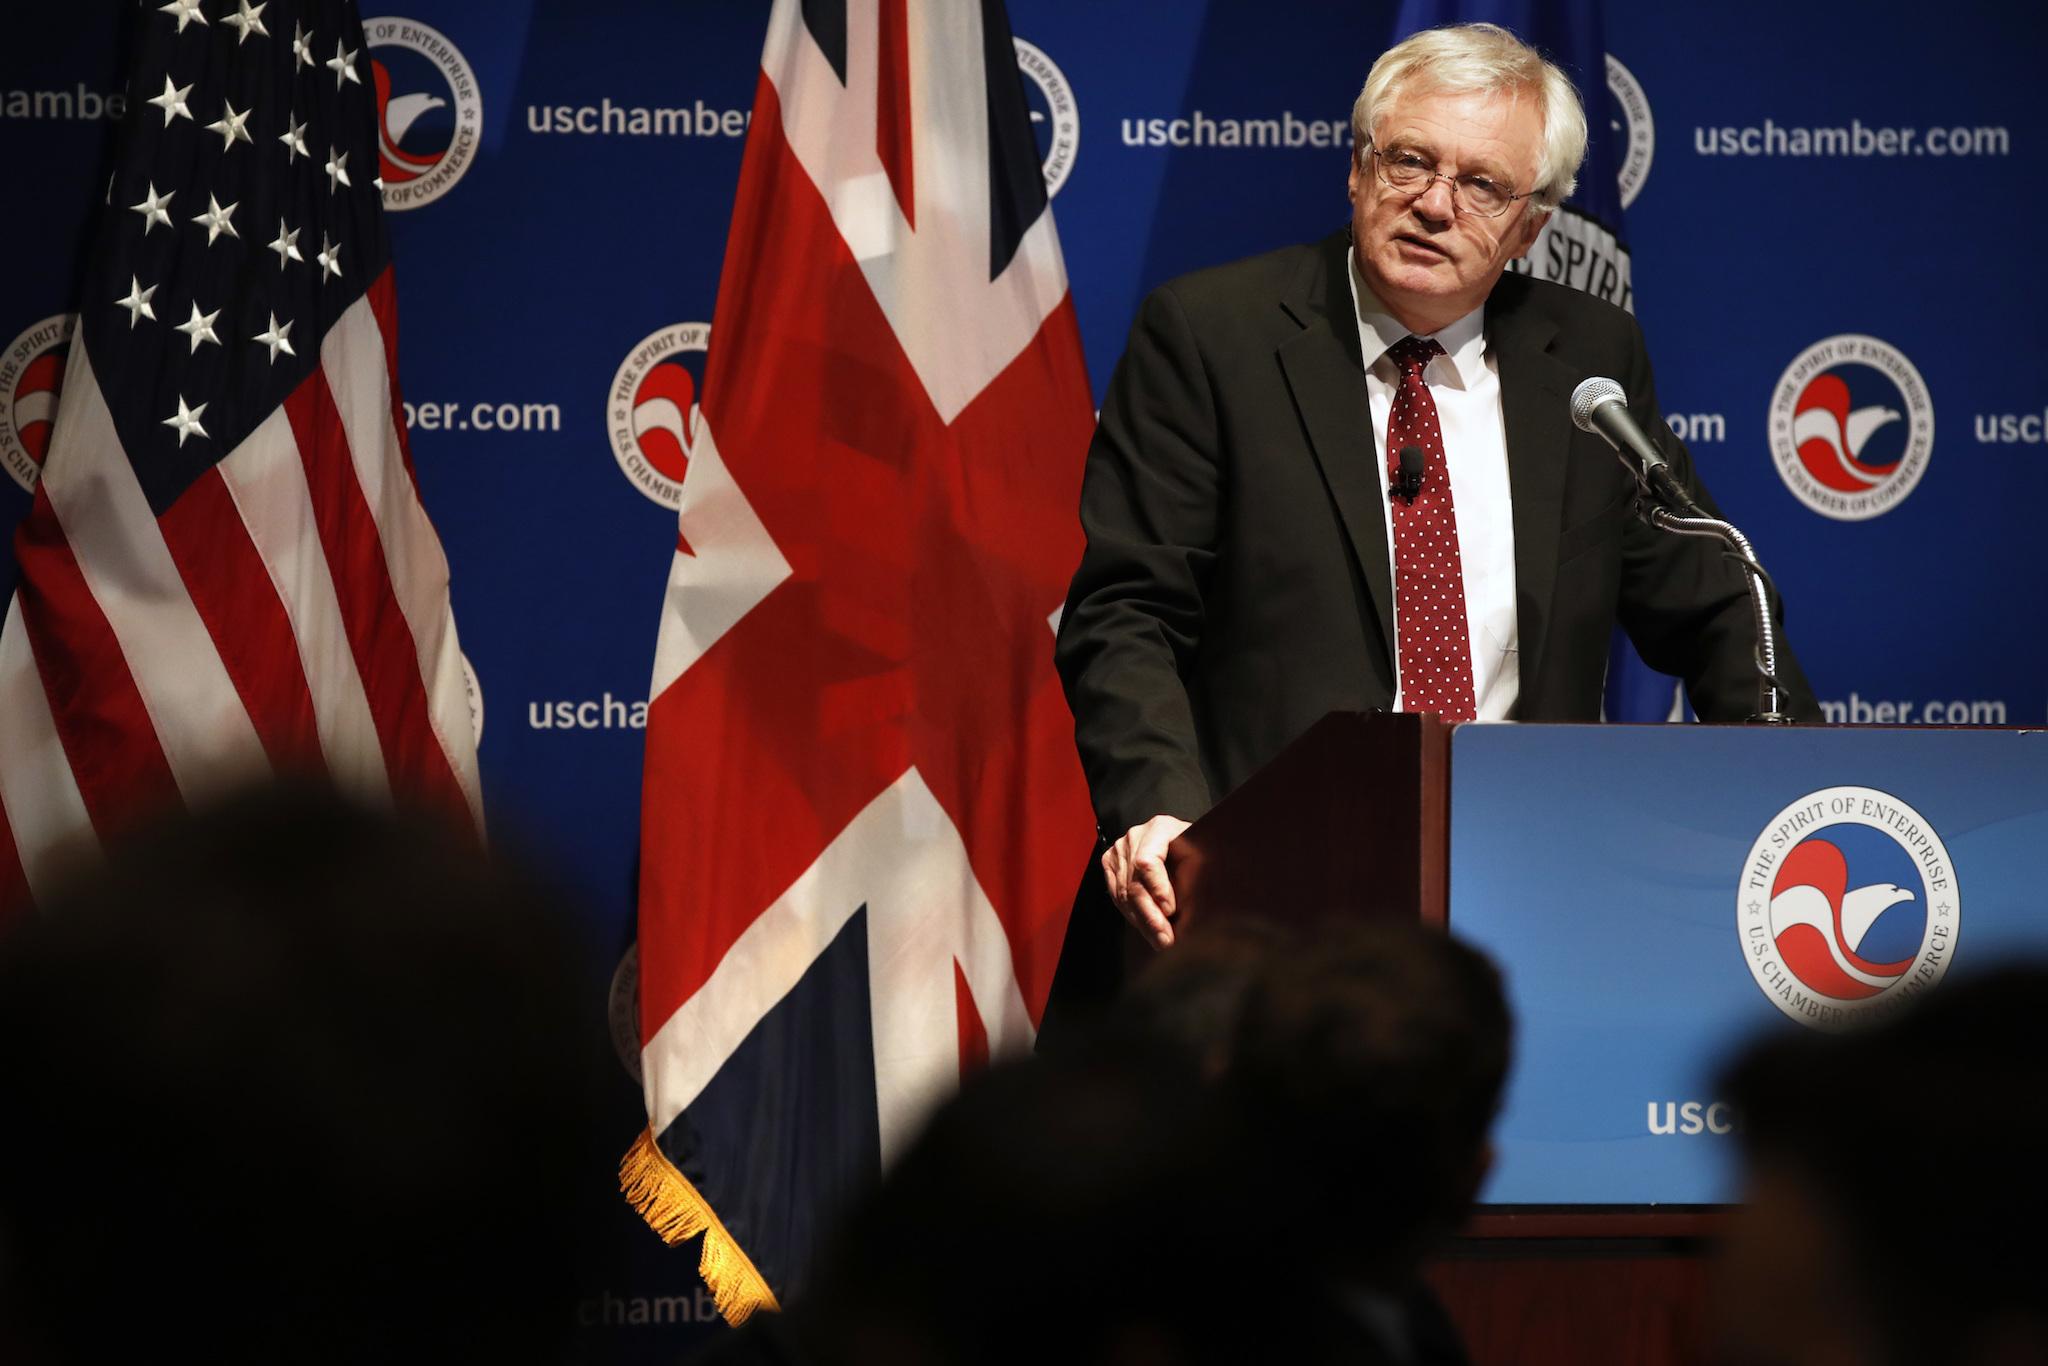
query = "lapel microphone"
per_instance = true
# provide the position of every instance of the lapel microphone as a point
(1408, 481)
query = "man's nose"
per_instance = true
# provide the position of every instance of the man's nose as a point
(1436, 203)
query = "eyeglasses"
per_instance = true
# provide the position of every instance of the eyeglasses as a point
(1410, 172)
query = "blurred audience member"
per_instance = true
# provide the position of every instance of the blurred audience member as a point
(288, 1081)
(1896, 1190)
(1079, 1211)
(1373, 1057)
(1186, 1005)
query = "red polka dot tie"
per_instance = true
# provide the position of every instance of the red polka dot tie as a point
(1434, 643)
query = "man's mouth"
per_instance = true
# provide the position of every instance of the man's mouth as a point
(1421, 244)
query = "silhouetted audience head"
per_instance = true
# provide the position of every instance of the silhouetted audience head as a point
(1374, 1059)
(290, 1081)
(1896, 1189)
(1072, 1210)
(1186, 1004)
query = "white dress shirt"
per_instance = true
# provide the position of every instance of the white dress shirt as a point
(1465, 384)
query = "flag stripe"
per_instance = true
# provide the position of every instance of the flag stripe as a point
(232, 592)
(892, 107)
(44, 807)
(383, 297)
(14, 897)
(95, 708)
(354, 356)
(376, 630)
(267, 481)
(205, 734)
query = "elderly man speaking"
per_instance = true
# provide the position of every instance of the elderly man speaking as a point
(1258, 551)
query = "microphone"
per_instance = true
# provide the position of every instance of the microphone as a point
(1408, 482)
(1599, 406)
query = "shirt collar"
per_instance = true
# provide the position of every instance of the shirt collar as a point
(1464, 341)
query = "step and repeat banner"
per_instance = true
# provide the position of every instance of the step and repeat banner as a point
(1827, 210)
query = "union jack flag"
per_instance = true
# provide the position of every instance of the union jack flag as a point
(862, 815)
(227, 571)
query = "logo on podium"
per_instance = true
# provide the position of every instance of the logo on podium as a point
(1847, 904)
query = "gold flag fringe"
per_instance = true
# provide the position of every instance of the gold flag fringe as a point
(676, 1211)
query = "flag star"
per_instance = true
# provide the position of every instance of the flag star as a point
(244, 20)
(329, 257)
(186, 421)
(232, 127)
(216, 219)
(337, 169)
(277, 339)
(186, 11)
(343, 65)
(172, 102)
(137, 302)
(302, 47)
(287, 244)
(155, 209)
(199, 327)
(294, 140)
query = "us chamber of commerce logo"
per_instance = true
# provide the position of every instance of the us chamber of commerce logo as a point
(1634, 128)
(651, 409)
(31, 378)
(1055, 118)
(430, 114)
(1848, 904)
(1851, 426)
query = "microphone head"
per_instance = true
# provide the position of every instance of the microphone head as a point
(1411, 460)
(1590, 394)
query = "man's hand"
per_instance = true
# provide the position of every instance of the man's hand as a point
(1135, 868)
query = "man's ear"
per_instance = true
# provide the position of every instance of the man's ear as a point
(1351, 181)
(1526, 231)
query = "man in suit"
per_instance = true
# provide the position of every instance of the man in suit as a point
(1248, 568)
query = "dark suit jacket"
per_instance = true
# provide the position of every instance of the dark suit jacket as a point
(1235, 586)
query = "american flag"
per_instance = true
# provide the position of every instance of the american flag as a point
(227, 571)
(863, 816)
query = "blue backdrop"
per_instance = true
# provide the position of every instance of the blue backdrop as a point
(1829, 208)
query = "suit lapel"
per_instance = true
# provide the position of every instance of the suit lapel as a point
(1535, 400)
(1326, 375)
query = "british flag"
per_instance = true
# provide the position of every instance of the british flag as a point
(227, 571)
(862, 812)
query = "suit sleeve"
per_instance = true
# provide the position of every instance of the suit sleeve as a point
(1133, 617)
(1685, 606)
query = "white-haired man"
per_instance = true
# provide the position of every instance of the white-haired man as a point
(1248, 565)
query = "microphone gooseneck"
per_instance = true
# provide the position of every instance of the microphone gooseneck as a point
(1600, 406)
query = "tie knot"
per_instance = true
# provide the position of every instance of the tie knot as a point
(1411, 353)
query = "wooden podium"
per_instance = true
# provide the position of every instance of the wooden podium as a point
(1354, 817)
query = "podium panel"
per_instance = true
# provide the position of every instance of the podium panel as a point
(1659, 895)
